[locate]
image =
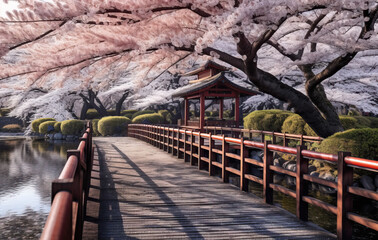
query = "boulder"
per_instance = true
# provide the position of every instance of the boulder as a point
(58, 136)
(367, 182)
(285, 164)
(257, 155)
(311, 169)
(292, 167)
(278, 161)
(325, 189)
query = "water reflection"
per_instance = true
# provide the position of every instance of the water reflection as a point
(27, 168)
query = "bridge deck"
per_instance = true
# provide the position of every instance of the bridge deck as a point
(141, 192)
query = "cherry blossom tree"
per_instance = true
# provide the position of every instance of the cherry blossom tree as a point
(51, 44)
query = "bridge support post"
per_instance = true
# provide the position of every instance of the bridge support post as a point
(301, 184)
(192, 140)
(344, 198)
(200, 150)
(267, 174)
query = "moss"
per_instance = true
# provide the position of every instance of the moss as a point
(35, 124)
(166, 115)
(92, 113)
(269, 120)
(95, 127)
(151, 118)
(360, 142)
(227, 114)
(294, 124)
(142, 112)
(112, 125)
(57, 126)
(11, 128)
(72, 127)
(47, 127)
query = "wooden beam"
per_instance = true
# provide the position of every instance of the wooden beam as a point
(202, 112)
(221, 108)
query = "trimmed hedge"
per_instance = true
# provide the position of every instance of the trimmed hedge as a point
(360, 142)
(44, 127)
(124, 112)
(57, 126)
(72, 127)
(142, 113)
(92, 113)
(349, 122)
(111, 112)
(296, 125)
(4, 112)
(113, 125)
(95, 127)
(151, 118)
(11, 128)
(166, 115)
(35, 124)
(269, 120)
(373, 121)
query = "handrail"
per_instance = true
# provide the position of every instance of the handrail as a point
(202, 148)
(70, 192)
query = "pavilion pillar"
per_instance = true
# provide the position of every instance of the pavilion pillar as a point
(221, 108)
(186, 117)
(202, 111)
(237, 109)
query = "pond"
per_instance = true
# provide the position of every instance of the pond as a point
(27, 168)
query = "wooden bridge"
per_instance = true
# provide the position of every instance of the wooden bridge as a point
(140, 192)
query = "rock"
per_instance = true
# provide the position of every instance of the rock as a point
(330, 177)
(311, 169)
(285, 164)
(277, 178)
(290, 180)
(50, 136)
(292, 167)
(376, 180)
(257, 155)
(367, 182)
(278, 161)
(64, 137)
(58, 136)
(70, 138)
(327, 176)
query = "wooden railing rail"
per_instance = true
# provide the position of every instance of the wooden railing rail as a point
(70, 192)
(209, 151)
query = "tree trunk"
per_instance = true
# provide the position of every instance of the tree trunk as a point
(120, 103)
(84, 109)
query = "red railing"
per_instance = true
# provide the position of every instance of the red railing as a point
(70, 192)
(202, 149)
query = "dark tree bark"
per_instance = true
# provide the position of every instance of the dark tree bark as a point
(120, 102)
(92, 101)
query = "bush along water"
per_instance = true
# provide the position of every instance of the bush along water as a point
(35, 124)
(113, 125)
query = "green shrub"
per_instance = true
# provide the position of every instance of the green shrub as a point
(363, 122)
(112, 112)
(124, 112)
(72, 127)
(35, 124)
(294, 124)
(4, 112)
(227, 114)
(95, 127)
(348, 122)
(92, 113)
(151, 118)
(214, 114)
(207, 113)
(142, 112)
(11, 128)
(269, 120)
(166, 115)
(373, 122)
(57, 127)
(113, 125)
(360, 142)
(44, 127)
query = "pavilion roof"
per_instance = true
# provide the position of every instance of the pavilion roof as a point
(208, 64)
(202, 85)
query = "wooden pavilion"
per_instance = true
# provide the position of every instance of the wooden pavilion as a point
(212, 84)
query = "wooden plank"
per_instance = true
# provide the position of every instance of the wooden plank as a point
(149, 194)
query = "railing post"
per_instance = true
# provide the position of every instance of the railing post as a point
(200, 150)
(161, 146)
(173, 142)
(179, 143)
(211, 155)
(284, 140)
(225, 148)
(267, 174)
(184, 153)
(243, 166)
(301, 185)
(344, 198)
(192, 139)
